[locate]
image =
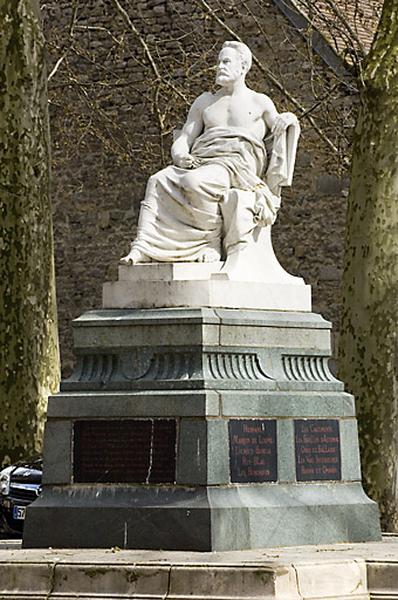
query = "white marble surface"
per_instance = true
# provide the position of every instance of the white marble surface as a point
(182, 271)
(220, 293)
(249, 279)
(224, 183)
(204, 231)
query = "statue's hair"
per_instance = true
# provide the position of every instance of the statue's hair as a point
(243, 51)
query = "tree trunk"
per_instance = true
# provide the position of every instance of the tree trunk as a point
(29, 361)
(369, 341)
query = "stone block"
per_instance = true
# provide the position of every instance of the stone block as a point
(200, 518)
(142, 517)
(328, 184)
(286, 404)
(269, 318)
(218, 452)
(168, 271)
(192, 453)
(350, 460)
(57, 467)
(32, 581)
(285, 441)
(383, 576)
(341, 572)
(203, 454)
(330, 273)
(211, 293)
(110, 581)
(350, 582)
(179, 403)
(256, 336)
(137, 335)
(224, 582)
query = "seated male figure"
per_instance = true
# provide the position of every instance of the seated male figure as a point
(187, 212)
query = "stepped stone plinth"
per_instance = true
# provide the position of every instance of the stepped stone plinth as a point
(201, 429)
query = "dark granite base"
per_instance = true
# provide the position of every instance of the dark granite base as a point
(212, 519)
(199, 429)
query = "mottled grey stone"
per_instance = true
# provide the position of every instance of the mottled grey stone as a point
(287, 404)
(192, 452)
(310, 386)
(304, 159)
(161, 403)
(329, 273)
(218, 451)
(256, 336)
(57, 467)
(215, 518)
(285, 452)
(269, 318)
(350, 458)
(128, 517)
(139, 327)
(146, 316)
(328, 185)
(201, 367)
(203, 452)
(138, 335)
(230, 523)
(135, 328)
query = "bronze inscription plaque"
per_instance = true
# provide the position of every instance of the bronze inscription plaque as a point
(252, 450)
(317, 443)
(128, 451)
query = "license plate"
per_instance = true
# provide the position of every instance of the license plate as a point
(19, 512)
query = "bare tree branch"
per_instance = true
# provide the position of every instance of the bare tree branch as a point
(71, 34)
(145, 47)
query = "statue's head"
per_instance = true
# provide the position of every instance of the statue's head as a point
(234, 61)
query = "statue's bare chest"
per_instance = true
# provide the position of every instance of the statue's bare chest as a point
(240, 111)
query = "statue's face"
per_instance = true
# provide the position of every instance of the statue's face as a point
(229, 66)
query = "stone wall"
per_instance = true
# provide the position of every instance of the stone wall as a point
(115, 97)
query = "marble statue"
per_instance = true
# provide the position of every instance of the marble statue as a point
(230, 161)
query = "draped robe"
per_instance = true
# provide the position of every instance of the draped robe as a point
(188, 211)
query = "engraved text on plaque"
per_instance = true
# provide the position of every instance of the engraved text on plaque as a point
(252, 450)
(317, 443)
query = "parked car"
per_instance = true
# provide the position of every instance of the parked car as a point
(20, 484)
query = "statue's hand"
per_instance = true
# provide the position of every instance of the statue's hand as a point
(186, 161)
(282, 122)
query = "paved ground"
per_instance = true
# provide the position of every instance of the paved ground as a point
(340, 571)
(386, 549)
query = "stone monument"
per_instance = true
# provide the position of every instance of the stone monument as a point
(202, 414)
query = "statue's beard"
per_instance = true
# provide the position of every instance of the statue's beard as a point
(222, 79)
(228, 78)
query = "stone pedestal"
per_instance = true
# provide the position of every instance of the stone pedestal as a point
(249, 279)
(201, 429)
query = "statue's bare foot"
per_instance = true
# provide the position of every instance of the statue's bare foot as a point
(134, 257)
(210, 255)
